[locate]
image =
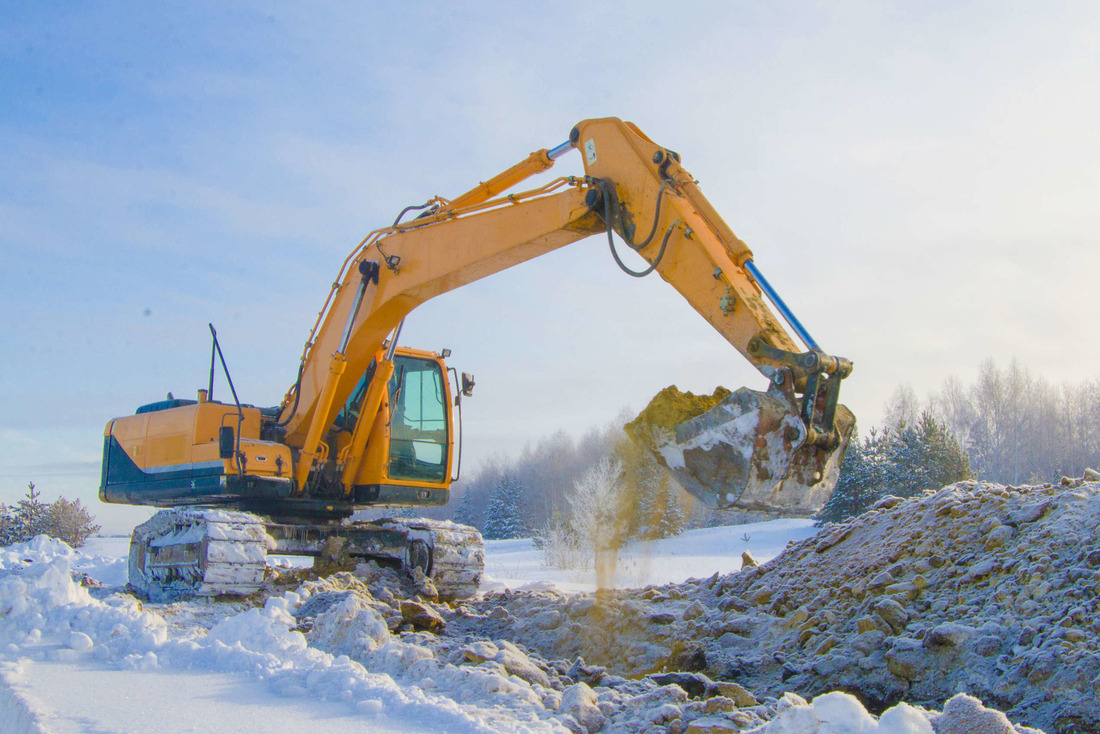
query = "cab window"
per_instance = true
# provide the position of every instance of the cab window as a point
(418, 421)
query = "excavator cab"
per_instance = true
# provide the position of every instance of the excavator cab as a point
(399, 420)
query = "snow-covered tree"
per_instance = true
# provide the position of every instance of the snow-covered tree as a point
(66, 520)
(592, 525)
(559, 544)
(467, 513)
(504, 516)
(593, 505)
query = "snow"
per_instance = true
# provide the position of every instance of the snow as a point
(76, 659)
(56, 642)
(57, 695)
(517, 564)
(104, 559)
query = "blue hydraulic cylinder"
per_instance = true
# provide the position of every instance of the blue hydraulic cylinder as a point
(559, 151)
(774, 297)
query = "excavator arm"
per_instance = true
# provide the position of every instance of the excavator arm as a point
(779, 450)
(774, 450)
(656, 207)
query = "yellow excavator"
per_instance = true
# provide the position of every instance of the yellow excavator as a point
(368, 423)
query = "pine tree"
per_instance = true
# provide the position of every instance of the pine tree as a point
(31, 515)
(70, 521)
(925, 456)
(504, 517)
(643, 520)
(467, 514)
(640, 500)
(862, 477)
(671, 520)
(66, 520)
(903, 462)
(8, 533)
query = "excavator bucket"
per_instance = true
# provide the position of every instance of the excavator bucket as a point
(745, 450)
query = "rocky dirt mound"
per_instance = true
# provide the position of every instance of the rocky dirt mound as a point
(974, 588)
(364, 618)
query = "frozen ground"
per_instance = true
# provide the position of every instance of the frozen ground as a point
(517, 564)
(77, 659)
(88, 697)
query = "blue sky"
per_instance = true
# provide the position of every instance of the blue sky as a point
(919, 181)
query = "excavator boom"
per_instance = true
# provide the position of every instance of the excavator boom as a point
(778, 450)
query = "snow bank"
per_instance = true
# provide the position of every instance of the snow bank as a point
(45, 615)
(841, 713)
(17, 716)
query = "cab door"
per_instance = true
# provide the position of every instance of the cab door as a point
(419, 422)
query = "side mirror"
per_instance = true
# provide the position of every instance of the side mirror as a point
(227, 443)
(467, 384)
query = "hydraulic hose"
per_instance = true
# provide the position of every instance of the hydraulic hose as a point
(411, 208)
(297, 394)
(607, 193)
(656, 218)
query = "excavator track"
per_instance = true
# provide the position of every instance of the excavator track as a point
(456, 559)
(182, 553)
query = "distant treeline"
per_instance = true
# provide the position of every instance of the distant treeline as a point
(1015, 427)
(538, 490)
(541, 477)
(1008, 427)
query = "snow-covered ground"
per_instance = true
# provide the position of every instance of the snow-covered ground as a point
(77, 659)
(517, 564)
(72, 662)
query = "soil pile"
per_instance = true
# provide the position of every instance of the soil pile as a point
(668, 409)
(975, 588)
